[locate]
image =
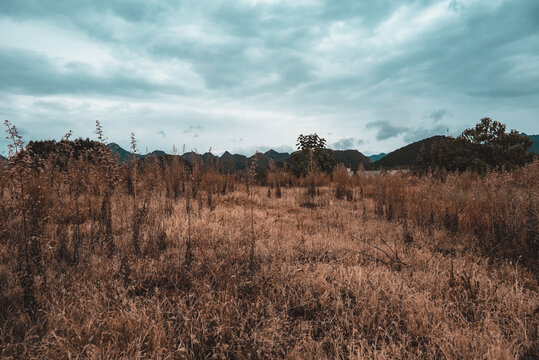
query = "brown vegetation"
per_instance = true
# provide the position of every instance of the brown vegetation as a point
(100, 261)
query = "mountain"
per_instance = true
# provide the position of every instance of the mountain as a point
(351, 158)
(210, 160)
(156, 153)
(276, 156)
(231, 163)
(406, 156)
(161, 158)
(235, 162)
(265, 160)
(535, 146)
(121, 154)
(376, 157)
(191, 156)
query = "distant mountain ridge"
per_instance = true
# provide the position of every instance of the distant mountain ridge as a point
(376, 157)
(535, 146)
(237, 162)
(403, 158)
(351, 158)
(276, 156)
(122, 155)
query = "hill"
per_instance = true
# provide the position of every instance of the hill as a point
(120, 153)
(535, 146)
(351, 158)
(235, 162)
(156, 153)
(376, 157)
(406, 156)
(162, 159)
(276, 156)
(231, 163)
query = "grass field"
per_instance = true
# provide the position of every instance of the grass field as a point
(387, 267)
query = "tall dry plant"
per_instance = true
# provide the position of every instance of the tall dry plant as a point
(107, 167)
(29, 184)
(138, 212)
(20, 172)
(251, 176)
(190, 193)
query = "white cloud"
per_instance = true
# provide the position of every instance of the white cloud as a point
(265, 71)
(64, 45)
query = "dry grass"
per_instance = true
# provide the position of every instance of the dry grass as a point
(381, 273)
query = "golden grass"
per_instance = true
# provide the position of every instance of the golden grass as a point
(335, 280)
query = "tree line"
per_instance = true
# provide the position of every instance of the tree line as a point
(487, 146)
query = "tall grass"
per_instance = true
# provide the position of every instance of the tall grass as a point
(492, 213)
(388, 267)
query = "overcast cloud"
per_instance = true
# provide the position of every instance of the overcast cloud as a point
(365, 75)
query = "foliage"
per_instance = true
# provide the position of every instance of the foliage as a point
(486, 146)
(62, 151)
(308, 143)
(312, 156)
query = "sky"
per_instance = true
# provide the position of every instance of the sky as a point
(246, 75)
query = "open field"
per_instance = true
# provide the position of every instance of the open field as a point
(399, 267)
(269, 179)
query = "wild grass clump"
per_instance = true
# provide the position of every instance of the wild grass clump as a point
(493, 213)
(342, 181)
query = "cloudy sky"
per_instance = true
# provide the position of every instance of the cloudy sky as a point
(247, 74)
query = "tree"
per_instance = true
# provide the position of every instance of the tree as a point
(496, 148)
(307, 143)
(60, 152)
(485, 146)
(313, 156)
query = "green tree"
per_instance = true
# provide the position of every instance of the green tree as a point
(485, 146)
(497, 149)
(61, 151)
(312, 156)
